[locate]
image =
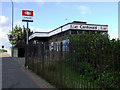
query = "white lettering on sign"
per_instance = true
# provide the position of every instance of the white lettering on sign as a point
(28, 13)
(27, 17)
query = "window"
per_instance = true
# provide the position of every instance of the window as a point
(86, 32)
(73, 32)
(83, 32)
(68, 32)
(80, 32)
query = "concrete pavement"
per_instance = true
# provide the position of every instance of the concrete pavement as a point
(4, 54)
(14, 75)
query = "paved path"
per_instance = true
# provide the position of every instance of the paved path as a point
(14, 75)
(4, 54)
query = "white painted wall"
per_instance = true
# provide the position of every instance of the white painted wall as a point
(65, 28)
(55, 32)
(9, 51)
(15, 52)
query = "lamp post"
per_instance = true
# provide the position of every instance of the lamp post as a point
(12, 24)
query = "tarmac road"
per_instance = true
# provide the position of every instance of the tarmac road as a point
(14, 75)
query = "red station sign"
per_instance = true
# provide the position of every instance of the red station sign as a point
(27, 13)
(27, 16)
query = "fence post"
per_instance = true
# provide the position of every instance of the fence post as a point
(37, 58)
(100, 59)
(42, 47)
(119, 62)
(26, 55)
(113, 58)
(33, 57)
(61, 56)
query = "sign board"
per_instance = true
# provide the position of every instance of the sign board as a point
(27, 16)
(90, 27)
(11, 36)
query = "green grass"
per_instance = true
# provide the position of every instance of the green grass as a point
(74, 79)
(2, 50)
(70, 78)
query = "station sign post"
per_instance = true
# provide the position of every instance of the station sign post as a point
(27, 16)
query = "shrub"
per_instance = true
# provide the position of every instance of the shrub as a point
(92, 53)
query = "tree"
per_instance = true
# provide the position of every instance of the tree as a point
(16, 31)
(19, 35)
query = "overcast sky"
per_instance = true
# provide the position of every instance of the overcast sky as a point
(50, 15)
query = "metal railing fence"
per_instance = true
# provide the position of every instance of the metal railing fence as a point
(84, 65)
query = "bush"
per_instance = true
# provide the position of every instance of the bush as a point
(92, 53)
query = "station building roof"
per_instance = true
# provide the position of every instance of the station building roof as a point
(75, 25)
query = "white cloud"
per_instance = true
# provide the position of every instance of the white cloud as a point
(19, 23)
(3, 37)
(84, 9)
(4, 21)
(5, 26)
(113, 33)
(4, 29)
(113, 37)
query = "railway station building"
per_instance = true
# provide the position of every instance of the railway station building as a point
(59, 34)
